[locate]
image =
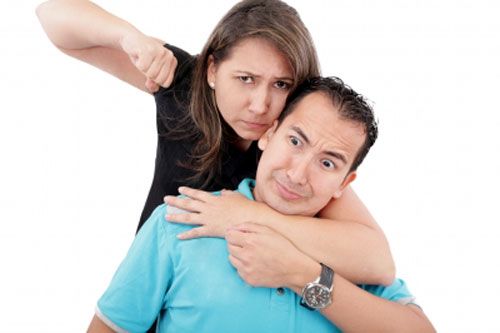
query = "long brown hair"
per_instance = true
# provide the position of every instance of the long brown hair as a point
(273, 20)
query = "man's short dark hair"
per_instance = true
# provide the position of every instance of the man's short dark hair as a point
(351, 105)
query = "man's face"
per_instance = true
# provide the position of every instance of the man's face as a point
(306, 159)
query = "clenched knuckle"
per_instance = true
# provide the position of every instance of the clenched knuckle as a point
(142, 66)
(251, 241)
(252, 281)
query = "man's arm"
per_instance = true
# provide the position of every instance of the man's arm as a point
(356, 310)
(98, 326)
(352, 309)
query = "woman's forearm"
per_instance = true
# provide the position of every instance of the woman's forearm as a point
(87, 32)
(356, 251)
(345, 238)
(76, 25)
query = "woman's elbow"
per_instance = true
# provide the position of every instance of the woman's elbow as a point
(387, 277)
(40, 10)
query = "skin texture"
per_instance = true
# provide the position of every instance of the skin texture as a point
(251, 86)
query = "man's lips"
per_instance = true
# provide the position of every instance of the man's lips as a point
(286, 193)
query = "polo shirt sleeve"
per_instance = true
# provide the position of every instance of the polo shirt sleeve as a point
(397, 292)
(136, 293)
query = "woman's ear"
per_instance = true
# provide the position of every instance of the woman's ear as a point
(264, 139)
(211, 71)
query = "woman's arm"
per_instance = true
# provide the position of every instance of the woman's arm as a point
(87, 32)
(346, 237)
(354, 245)
(352, 309)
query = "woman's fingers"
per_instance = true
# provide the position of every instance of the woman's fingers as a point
(150, 57)
(167, 73)
(188, 204)
(151, 85)
(196, 194)
(235, 262)
(235, 251)
(195, 233)
(183, 218)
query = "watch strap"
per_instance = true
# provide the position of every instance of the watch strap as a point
(326, 276)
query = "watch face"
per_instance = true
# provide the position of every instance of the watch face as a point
(317, 296)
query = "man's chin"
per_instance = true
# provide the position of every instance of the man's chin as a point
(287, 208)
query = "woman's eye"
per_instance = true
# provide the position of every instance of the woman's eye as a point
(282, 85)
(246, 79)
(294, 141)
(328, 164)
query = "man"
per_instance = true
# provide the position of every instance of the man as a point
(309, 156)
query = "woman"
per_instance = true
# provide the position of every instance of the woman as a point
(211, 109)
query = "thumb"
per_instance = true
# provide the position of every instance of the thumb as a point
(151, 86)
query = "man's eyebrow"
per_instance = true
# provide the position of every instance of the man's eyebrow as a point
(301, 134)
(337, 156)
(334, 154)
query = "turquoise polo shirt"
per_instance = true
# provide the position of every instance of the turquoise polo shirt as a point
(190, 286)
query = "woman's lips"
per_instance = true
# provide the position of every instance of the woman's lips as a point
(253, 125)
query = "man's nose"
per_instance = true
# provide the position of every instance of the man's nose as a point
(297, 172)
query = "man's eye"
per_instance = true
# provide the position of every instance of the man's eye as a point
(282, 85)
(328, 164)
(246, 79)
(294, 141)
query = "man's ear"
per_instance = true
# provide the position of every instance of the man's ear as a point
(211, 70)
(347, 180)
(264, 139)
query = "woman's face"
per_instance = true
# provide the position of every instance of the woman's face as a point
(251, 86)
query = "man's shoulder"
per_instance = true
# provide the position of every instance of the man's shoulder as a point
(397, 291)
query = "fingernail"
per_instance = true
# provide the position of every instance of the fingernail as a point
(181, 236)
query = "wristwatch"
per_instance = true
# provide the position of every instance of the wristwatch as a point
(318, 294)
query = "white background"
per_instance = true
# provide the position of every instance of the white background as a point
(77, 151)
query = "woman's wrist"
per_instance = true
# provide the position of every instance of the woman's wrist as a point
(126, 37)
(307, 272)
(264, 215)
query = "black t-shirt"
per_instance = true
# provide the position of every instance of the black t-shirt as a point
(171, 104)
